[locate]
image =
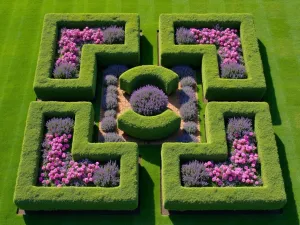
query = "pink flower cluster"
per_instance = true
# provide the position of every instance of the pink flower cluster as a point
(227, 41)
(242, 168)
(58, 168)
(71, 41)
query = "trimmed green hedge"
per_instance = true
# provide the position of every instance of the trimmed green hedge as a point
(268, 197)
(83, 88)
(149, 127)
(140, 76)
(205, 56)
(29, 196)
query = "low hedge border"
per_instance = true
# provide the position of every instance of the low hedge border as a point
(149, 127)
(140, 76)
(205, 56)
(83, 88)
(28, 196)
(270, 196)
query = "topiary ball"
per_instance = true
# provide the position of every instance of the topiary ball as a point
(189, 111)
(108, 124)
(110, 113)
(149, 100)
(190, 127)
(110, 80)
(110, 101)
(111, 89)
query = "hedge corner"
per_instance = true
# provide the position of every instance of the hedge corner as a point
(270, 196)
(83, 88)
(30, 196)
(205, 56)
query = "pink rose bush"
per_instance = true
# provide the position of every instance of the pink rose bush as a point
(59, 169)
(227, 42)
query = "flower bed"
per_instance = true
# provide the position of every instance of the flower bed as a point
(71, 42)
(228, 45)
(242, 167)
(58, 167)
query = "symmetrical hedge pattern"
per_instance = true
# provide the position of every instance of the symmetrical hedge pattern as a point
(205, 56)
(268, 197)
(83, 88)
(149, 127)
(140, 76)
(29, 196)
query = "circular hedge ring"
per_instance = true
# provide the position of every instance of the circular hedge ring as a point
(139, 76)
(149, 127)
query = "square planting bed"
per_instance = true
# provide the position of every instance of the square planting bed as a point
(83, 87)
(205, 55)
(270, 196)
(30, 195)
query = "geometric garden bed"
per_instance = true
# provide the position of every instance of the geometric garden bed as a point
(148, 123)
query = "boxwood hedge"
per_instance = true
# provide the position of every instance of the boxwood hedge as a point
(140, 76)
(83, 88)
(29, 196)
(149, 127)
(205, 56)
(270, 196)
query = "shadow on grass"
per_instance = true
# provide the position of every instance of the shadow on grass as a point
(270, 94)
(146, 51)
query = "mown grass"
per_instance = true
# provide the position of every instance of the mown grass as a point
(278, 29)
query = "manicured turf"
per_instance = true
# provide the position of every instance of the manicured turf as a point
(277, 24)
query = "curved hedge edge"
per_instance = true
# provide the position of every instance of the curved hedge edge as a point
(149, 127)
(140, 76)
(28, 196)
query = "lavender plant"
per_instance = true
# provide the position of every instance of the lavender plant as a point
(188, 111)
(107, 175)
(65, 70)
(190, 127)
(110, 113)
(108, 124)
(233, 70)
(149, 100)
(184, 36)
(238, 127)
(188, 81)
(115, 70)
(112, 137)
(111, 89)
(184, 71)
(110, 80)
(185, 138)
(110, 101)
(194, 174)
(60, 126)
(113, 35)
(187, 94)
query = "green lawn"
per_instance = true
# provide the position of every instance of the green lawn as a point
(278, 31)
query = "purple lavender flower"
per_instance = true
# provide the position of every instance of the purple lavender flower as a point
(238, 127)
(186, 138)
(184, 71)
(60, 125)
(149, 100)
(108, 124)
(193, 174)
(233, 70)
(114, 35)
(107, 175)
(184, 36)
(115, 70)
(65, 71)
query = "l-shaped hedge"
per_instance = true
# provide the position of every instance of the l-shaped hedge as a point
(270, 196)
(29, 196)
(205, 56)
(92, 55)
